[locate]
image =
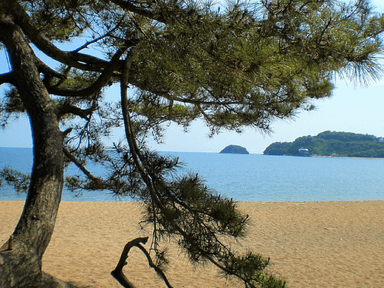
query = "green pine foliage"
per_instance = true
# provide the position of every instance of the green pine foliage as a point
(16, 179)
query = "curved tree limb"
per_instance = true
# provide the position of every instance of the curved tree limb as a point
(21, 267)
(90, 176)
(147, 177)
(83, 113)
(7, 78)
(152, 265)
(73, 59)
(118, 272)
(96, 86)
(129, 133)
(48, 71)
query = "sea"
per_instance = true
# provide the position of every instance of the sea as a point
(249, 177)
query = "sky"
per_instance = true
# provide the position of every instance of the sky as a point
(352, 108)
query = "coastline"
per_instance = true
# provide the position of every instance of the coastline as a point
(339, 243)
(323, 156)
(344, 157)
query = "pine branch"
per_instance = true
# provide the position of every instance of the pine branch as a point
(72, 59)
(7, 78)
(96, 180)
(96, 86)
(48, 71)
(118, 272)
(83, 113)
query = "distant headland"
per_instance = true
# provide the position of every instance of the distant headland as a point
(235, 149)
(327, 143)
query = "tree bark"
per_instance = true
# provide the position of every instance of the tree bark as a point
(21, 266)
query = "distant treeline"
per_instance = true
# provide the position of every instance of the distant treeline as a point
(342, 144)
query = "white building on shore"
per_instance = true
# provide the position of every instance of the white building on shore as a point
(303, 151)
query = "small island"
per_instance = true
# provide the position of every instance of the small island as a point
(234, 149)
(333, 144)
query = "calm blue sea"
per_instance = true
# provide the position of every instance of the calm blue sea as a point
(252, 177)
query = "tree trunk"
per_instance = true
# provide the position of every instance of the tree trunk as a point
(21, 266)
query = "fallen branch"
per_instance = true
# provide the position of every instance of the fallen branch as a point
(118, 272)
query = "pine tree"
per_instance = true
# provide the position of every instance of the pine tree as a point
(235, 65)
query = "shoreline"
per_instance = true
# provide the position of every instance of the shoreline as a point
(310, 244)
(344, 157)
(240, 201)
(321, 156)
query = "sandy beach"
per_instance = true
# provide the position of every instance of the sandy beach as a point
(326, 244)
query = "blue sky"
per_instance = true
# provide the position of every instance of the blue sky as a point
(351, 108)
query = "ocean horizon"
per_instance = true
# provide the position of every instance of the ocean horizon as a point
(248, 177)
